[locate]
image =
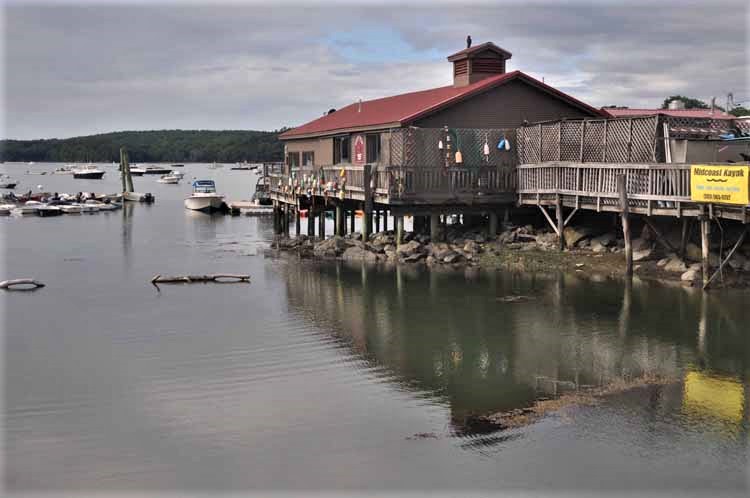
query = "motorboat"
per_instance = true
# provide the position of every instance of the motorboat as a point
(169, 179)
(70, 208)
(27, 209)
(204, 197)
(5, 209)
(88, 171)
(46, 210)
(177, 166)
(178, 174)
(262, 195)
(137, 171)
(7, 182)
(102, 206)
(138, 197)
(157, 170)
(89, 208)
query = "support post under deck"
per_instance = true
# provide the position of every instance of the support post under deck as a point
(622, 189)
(705, 248)
(560, 223)
(435, 227)
(492, 229)
(399, 229)
(339, 221)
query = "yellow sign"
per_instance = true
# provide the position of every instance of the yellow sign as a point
(721, 184)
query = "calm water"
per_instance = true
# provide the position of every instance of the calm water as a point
(314, 377)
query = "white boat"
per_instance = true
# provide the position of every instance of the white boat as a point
(137, 197)
(169, 179)
(88, 171)
(137, 171)
(71, 208)
(89, 208)
(103, 206)
(204, 197)
(5, 209)
(178, 174)
(28, 209)
(45, 210)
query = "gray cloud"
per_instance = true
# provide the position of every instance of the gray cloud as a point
(72, 70)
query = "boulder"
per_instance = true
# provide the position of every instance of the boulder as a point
(330, 248)
(643, 254)
(641, 244)
(597, 246)
(574, 234)
(409, 248)
(471, 247)
(675, 265)
(355, 253)
(662, 262)
(453, 257)
(605, 239)
(414, 257)
(690, 275)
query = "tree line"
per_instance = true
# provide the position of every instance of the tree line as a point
(226, 146)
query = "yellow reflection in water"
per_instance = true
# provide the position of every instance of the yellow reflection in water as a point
(716, 397)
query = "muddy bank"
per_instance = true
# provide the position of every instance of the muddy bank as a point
(532, 249)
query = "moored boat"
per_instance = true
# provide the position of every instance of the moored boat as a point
(7, 182)
(137, 197)
(137, 171)
(157, 170)
(45, 211)
(5, 209)
(29, 208)
(70, 208)
(169, 179)
(204, 197)
(89, 172)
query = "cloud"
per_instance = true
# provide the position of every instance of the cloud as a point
(83, 69)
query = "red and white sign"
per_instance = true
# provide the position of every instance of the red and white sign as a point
(359, 150)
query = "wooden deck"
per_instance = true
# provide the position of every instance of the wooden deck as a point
(653, 189)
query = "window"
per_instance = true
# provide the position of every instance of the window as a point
(341, 150)
(308, 158)
(373, 148)
(292, 159)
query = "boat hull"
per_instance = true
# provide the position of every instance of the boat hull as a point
(89, 175)
(137, 197)
(205, 203)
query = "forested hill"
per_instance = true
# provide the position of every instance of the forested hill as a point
(151, 146)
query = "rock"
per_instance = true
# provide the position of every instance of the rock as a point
(409, 248)
(573, 234)
(597, 246)
(414, 257)
(431, 260)
(606, 239)
(643, 254)
(662, 262)
(375, 248)
(330, 248)
(675, 265)
(423, 239)
(355, 253)
(690, 275)
(453, 257)
(471, 247)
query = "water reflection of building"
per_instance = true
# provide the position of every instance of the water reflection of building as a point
(450, 336)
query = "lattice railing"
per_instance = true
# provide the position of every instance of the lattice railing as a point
(623, 140)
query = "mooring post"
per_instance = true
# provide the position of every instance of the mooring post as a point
(310, 222)
(399, 229)
(684, 237)
(435, 227)
(560, 223)
(622, 190)
(338, 222)
(492, 228)
(705, 248)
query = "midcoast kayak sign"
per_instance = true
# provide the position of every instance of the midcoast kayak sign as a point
(723, 184)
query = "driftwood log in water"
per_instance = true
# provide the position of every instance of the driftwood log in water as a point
(24, 284)
(189, 279)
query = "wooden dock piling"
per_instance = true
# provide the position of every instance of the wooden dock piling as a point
(705, 248)
(622, 190)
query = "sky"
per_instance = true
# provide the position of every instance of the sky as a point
(72, 69)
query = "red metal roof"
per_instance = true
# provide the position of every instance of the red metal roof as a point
(399, 110)
(680, 113)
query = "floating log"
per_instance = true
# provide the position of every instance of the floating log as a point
(189, 279)
(24, 284)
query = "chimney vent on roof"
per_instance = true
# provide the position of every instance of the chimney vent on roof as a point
(676, 104)
(476, 63)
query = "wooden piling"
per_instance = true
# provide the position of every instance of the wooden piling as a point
(399, 229)
(684, 237)
(622, 190)
(560, 223)
(310, 222)
(435, 227)
(385, 220)
(322, 225)
(705, 249)
(377, 221)
(352, 215)
(492, 228)
(338, 222)
(297, 222)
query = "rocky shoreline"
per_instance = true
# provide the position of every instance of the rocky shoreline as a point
(527, 248)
